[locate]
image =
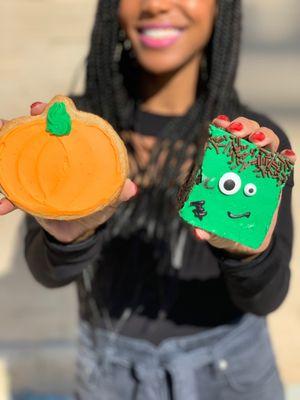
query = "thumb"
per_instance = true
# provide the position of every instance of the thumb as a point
(37, 108)
(129, 190)
(6, 206)
(2, 122)
(202, 235)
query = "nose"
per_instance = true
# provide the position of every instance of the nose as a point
(154, 7)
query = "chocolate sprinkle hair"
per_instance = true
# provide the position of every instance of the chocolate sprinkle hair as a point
(266, 163)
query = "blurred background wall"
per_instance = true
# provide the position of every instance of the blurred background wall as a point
(43, 45)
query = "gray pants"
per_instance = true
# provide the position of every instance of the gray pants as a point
(230, 362)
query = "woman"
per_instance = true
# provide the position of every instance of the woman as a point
(165, 313)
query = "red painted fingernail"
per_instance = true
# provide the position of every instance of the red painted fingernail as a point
(223, 117)
(289, 153)
(258, 137)
(37, 103)
(235, 126)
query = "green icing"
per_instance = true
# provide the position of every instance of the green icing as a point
(58, 120)
(236, 216)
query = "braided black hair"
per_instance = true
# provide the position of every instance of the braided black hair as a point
(111, 93)
(106, 93)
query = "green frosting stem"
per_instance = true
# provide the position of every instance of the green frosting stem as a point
(58, 120)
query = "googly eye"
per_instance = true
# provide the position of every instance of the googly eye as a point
(250, 189)
(230, 183)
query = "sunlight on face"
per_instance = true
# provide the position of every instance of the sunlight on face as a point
(166, 34)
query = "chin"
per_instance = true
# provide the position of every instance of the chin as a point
(160, 64)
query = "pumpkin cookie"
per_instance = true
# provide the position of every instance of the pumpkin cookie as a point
(62, 164)
(236, 191)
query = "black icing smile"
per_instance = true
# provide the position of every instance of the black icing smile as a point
(234, 216)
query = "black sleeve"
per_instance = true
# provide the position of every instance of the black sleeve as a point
(54, 264)
(261, 285)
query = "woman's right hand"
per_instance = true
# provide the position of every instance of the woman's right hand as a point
(81, 228)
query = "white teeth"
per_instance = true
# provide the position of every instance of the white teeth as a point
(159, 33)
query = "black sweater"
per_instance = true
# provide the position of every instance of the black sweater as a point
(210, 289)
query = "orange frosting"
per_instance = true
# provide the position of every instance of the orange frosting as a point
(68, 175)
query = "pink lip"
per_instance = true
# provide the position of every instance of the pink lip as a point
(158, 43)
(157, 25)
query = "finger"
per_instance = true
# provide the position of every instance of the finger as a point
(222, 121)
(6, 206)
(290, 154)
(2, 122)
(129, 190)
(37, 108)
(202, 235)
(265, 137)
(242, 127)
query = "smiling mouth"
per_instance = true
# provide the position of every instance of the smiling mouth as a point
(235, 216)
(159, 36)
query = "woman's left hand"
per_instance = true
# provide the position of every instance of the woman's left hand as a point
(262, 137)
